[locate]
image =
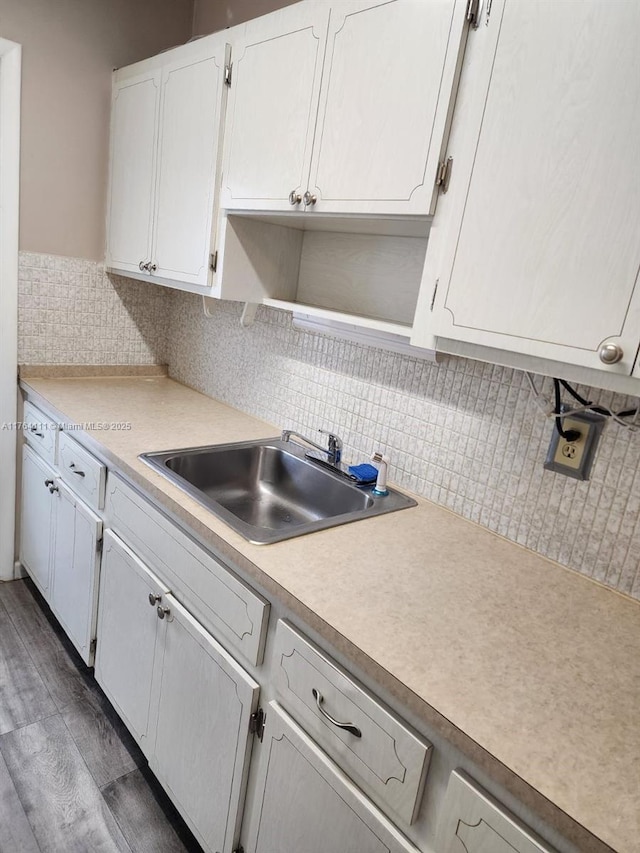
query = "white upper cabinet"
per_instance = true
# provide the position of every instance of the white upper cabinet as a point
(134, 127)
(188, 150)
(345, 108)
(165, 151)
(387, 90)
(275, 87)
(540, 247)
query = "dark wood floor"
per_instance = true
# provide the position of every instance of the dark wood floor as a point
(72, 780)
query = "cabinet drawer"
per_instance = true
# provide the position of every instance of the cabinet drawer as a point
(473, 821)
(234, 613)
(81, 471)
(40, 432)
(386, 759)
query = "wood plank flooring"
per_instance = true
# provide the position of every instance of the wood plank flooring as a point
(72, 779)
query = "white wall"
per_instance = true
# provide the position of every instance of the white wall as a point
(213, 15)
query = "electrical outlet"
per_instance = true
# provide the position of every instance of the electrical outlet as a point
(575, 458)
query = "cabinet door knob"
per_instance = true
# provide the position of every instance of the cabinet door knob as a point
(294, 197)
(309, 198)
(610, 353)
(141, 266)
(154, 598)
(152, 267)
(163, 611)
(48, 482)
(53, 489)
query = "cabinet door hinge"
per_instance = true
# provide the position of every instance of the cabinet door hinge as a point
(435, 290)
(213, 261)
(474, 12)
(256, 723)
(92, 646)
(238, 849)
(444, 174)
(99, 545)
(227, 74)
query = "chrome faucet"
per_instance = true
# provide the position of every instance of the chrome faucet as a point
(333, 451)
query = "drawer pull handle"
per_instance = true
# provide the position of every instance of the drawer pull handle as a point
(348, 727)
(34, 430)
(72, 465)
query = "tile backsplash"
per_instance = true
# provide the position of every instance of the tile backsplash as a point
(464, 434)
(70, 311)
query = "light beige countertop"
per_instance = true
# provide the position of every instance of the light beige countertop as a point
(529, 668)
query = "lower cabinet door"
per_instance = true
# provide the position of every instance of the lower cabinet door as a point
(75, 570)
(203, 702)
(36, 518)
(303, 802)
(127, 634)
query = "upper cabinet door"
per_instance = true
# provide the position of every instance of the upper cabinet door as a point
(275, 86)
(193, 92)
(134, 122)
(541, 246)
(387, 92)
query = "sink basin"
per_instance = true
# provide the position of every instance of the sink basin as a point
(268, 490)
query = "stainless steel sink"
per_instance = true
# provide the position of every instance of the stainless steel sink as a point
(268, 490)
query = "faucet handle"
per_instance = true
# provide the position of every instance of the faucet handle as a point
(335, 445)
(333, 438)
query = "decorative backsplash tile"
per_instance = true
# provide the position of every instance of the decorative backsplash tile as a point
(70, 311)
(464, 434)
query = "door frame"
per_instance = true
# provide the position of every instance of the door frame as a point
(10, 75)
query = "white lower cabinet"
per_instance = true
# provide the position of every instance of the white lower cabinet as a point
(75, 572)
(473, 822)
(303, 802)
(60, 540)
(37, 518)
(182, 695)
(127, 634)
